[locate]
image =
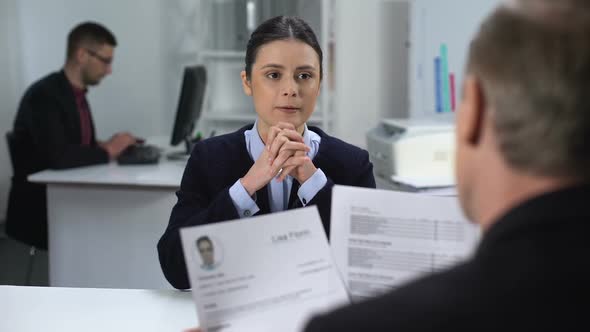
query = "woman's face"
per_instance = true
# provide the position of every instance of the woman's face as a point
(284, 83)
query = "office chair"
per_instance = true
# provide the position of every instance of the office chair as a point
(10, 141)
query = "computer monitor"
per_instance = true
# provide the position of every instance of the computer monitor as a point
(190, 103)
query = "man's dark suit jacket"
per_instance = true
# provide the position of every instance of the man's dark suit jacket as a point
(531, 272)
(46, 135)
(217, 163)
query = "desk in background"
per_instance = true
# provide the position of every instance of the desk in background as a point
(26, 309)
(104, 222)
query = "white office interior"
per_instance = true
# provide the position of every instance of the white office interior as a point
(377, 55)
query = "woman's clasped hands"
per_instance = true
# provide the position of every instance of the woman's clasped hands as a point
(285, 153)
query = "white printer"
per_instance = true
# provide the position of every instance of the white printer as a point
(413, 148)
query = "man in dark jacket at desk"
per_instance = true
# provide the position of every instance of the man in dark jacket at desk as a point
(54, 129)
(523, 169)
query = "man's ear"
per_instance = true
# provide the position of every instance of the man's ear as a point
(80, 55)
(472, 112)
(246, 83)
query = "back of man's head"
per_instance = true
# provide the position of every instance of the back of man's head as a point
(533, 60)
(88, 34)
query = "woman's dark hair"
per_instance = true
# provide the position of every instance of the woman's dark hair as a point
(281, 28)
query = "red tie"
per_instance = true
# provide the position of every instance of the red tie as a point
(84, 114)
(85, 127)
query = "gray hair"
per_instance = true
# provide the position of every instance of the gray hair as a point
(533, 59)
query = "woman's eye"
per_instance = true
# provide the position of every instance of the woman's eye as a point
(304, 76)
(272, 75)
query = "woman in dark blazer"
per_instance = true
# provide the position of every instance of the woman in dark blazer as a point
(278, 163)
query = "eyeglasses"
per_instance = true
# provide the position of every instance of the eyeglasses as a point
(103, 59)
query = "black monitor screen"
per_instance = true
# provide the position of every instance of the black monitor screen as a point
(190, 103)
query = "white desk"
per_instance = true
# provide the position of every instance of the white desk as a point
(32, 309)
(105, 221)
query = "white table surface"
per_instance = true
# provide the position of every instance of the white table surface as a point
(167, 173)
(35, 309)
(164, 174)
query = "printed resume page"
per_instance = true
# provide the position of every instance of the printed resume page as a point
(381, 239)
(266, 273)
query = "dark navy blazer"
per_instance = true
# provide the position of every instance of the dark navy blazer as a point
(217, 163)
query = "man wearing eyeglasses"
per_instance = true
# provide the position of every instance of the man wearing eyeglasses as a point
(54, 129)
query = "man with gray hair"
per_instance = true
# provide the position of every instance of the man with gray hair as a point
(523, 161)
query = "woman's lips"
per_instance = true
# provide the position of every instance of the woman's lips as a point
(288, 109)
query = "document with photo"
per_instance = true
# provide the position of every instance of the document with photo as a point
(267, 273)
(381, 239)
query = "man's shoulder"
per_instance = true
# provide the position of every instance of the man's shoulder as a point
(443, 298)
(48, 94)
(51, 85)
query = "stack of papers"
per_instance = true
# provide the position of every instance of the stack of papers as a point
(443, 186)
(273, 272)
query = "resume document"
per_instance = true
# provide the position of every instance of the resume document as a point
(267, 273)
(381, 239)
